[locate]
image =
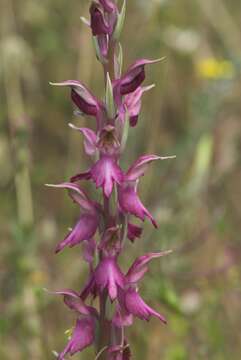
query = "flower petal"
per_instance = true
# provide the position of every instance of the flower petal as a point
(108, 275)
(90, 139)
(133, 103)
(134, 76)
(74, 302)
(82, 97)
(139, 267)
(121, 317)
(105, 173)
(134, 232)
(83, 336)
(77, 194)
(140, 166)
(136, 306)
(131, 204)
(108, 5)
(83, 230)
(97, 20)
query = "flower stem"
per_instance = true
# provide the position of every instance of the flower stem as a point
(105, 325)
(104, 334)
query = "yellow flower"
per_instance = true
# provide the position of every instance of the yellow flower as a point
(211, 68)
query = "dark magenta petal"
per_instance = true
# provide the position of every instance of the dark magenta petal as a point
(83, 105)
(97, 20)
(83, 336)
(134, 232)
(134, 76)
(81, 176)
(132, 81)
(134, 120)
(82, 97)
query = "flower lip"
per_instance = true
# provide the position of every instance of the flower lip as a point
(105, 173)
(108, 141)
(108, 276)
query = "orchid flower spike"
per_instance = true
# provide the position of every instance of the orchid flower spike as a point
(110, 216)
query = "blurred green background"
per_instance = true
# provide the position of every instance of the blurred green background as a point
(194, 112)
